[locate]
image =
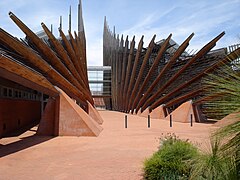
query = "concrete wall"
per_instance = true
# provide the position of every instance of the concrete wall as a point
(16, 114)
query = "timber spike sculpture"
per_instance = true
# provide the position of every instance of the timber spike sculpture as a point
(49, 59)
(54, 67)
(158, 79)
(162, 75)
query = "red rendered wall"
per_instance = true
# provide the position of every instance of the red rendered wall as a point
(15, 114)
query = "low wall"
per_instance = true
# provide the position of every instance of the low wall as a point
(16, 114)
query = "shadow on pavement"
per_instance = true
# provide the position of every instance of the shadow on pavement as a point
(22, 144)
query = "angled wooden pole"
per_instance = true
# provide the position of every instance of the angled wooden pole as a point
(233, 55)
(169, 64)
(123, 75)
(133, 73)
(149, 75)
(51, 74)
(63, 54)
(49, 54)
(200, 54)
(128, 73)
(140, 75)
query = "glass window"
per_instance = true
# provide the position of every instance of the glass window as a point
(5, 92)
(10, 92)
(16, 94)
(19, 94)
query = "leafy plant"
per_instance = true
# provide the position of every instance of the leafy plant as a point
(231, 148)
(178, 159)
(224, 86)
(171, 160)
(214, 165)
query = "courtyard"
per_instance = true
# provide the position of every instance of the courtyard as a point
(117, 153)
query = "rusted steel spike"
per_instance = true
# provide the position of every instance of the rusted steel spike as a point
(136, 62)
(51, 74)
(74, 46)
(39, 44)
(83, 59)
(128, 73)
(79, 57)
(81, 52)
(140, 75)
(120, 56)
(184, 97)
(233, 55)
(124, 59)
(71, 54)
(115, 72)
(82, 37)
(106, 59)
(113, 78)
(76, 51)
(152, 69)
(179, 51)
(201, 53)
(62, 53)
(113, 65)
(44, 49)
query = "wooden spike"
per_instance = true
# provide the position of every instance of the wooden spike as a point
(179, 51)
(219, 63)
(140, 75)
(200, 54)
(152, 69)
(133, 75)
(128, 73)
(64, 56)
(123, 75)
(51, 74)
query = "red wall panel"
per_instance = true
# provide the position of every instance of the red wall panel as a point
(16, 114)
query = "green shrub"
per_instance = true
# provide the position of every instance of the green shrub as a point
(171, 161)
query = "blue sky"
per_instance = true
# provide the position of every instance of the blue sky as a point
(139, 17)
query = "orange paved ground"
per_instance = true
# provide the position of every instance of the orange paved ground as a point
(117, 153)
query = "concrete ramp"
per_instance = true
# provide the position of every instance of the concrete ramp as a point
(158, 113)
(139, 112)
(145, 113)
(94, 114)
(70, 119)
(182, 113)
(47, 123)
(134, 112)
(229, 119)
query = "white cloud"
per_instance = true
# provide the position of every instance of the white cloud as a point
(205, 21)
